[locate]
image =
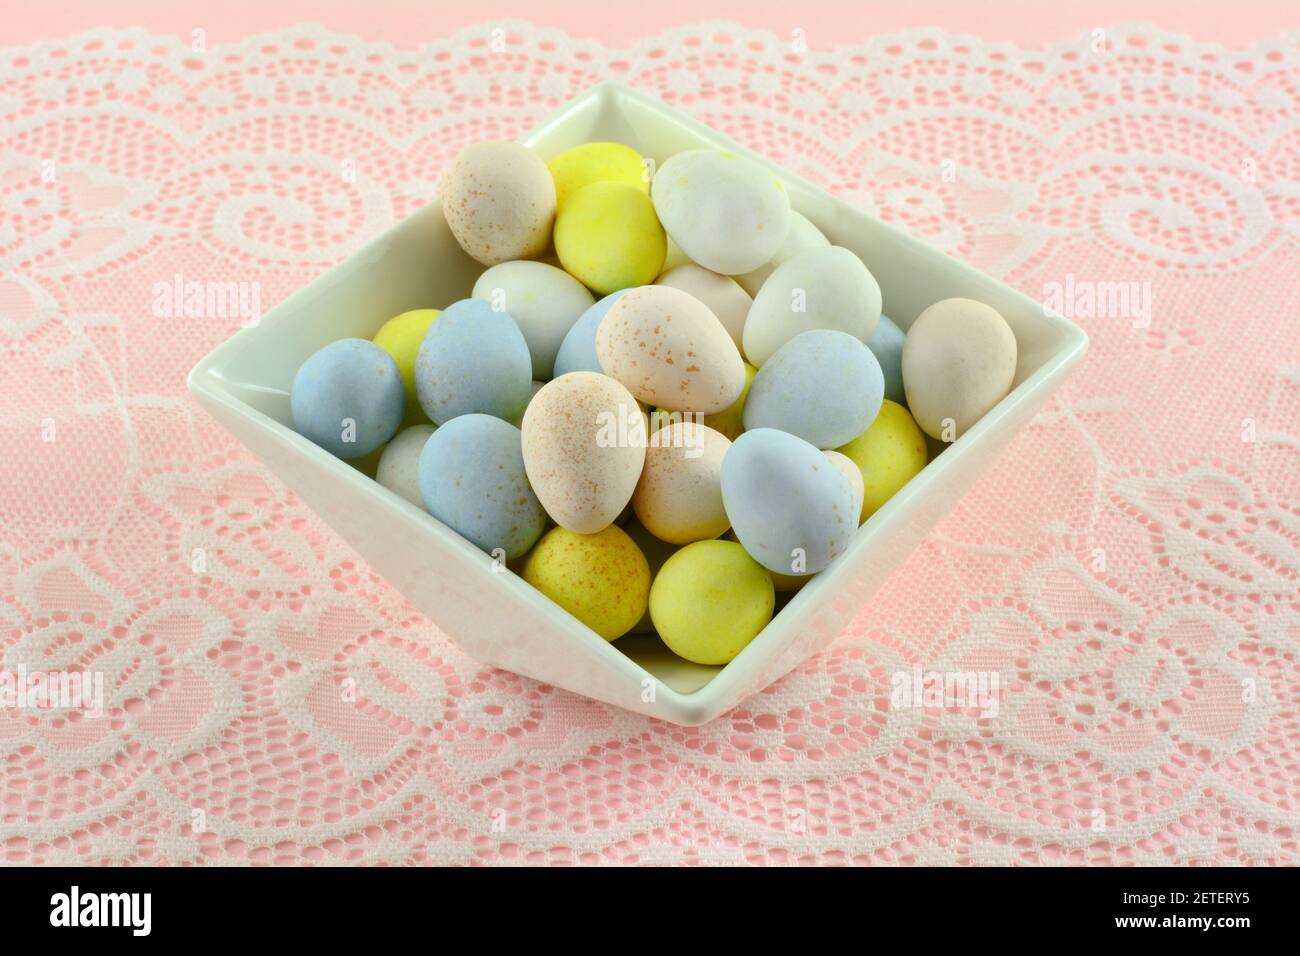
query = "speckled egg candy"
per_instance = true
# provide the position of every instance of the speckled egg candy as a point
(473, 360)
(679, 496)
(584, 439)
(399, 466)
(709, 600)
(578, 350)
(348, 398)
(608, 236)
(597, 163)
(959, 360)
(726, 212)
(824, 386)
(888, 455)
(670, 351)
(826, 288)
(601, 579)
(499, 200)
(543, 301)
(728, 301)
(801, 235)
(472, 479)
(886, 344)
(790, 507)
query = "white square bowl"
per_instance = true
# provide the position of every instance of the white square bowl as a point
(495, 615)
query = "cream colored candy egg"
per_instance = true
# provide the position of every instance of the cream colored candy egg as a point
(679, 496)
(584, 439)
(499, 200)
(670, 351)
(725, 299)
(727, 213)
(959, 360)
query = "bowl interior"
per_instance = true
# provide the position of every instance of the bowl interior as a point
(418, 264)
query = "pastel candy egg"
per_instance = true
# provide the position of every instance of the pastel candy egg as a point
(709, 600)
(726, 212)
(399, 465)
(886, 344)
(801, 235)
(670, 350)
(824, 386)
(544, 302)
(959, 360)
(578, 350)
(790, 507)
(401, 337)
(601, 579)
(826, 288)
(608, 236)
(499, 200)
(728, 301)
(584, 439)
(471, 474)
(849, 469)
(473, 360)
(595, 163)
(348, 398)
(679, 496)
(888, 455)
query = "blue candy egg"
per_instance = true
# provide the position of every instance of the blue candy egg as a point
(823, 385)
(472, 479)
(473, 360)
(348, 398)
(578, 350)
(886, 344)
(790, 507)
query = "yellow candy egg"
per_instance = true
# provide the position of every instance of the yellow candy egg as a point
(597, 163)
(888, 454)
(601, 579)
(608, 237)
(401, 337)
(709, 600)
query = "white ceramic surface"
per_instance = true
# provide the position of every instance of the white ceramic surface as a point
(490, 612)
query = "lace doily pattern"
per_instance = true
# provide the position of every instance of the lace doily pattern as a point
(1129, 570)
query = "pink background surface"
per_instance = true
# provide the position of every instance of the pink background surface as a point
(1130, 566)
(826, 23)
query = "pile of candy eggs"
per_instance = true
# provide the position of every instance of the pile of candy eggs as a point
(668, 402)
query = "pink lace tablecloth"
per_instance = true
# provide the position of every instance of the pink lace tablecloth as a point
(1129, 568)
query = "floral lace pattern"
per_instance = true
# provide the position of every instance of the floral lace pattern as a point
(1130, 568)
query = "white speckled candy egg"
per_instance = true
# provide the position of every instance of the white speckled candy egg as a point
(801, 235)
(670, 351)
(791, 507)
(499, 200)
(728, 301)
(399, 465)
(679, 496)
(959, 360)
(824, 386)
(544, 302)
(826, 288)
(584, 439)
(726, 212)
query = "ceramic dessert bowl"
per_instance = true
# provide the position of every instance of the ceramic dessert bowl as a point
(489, 611)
